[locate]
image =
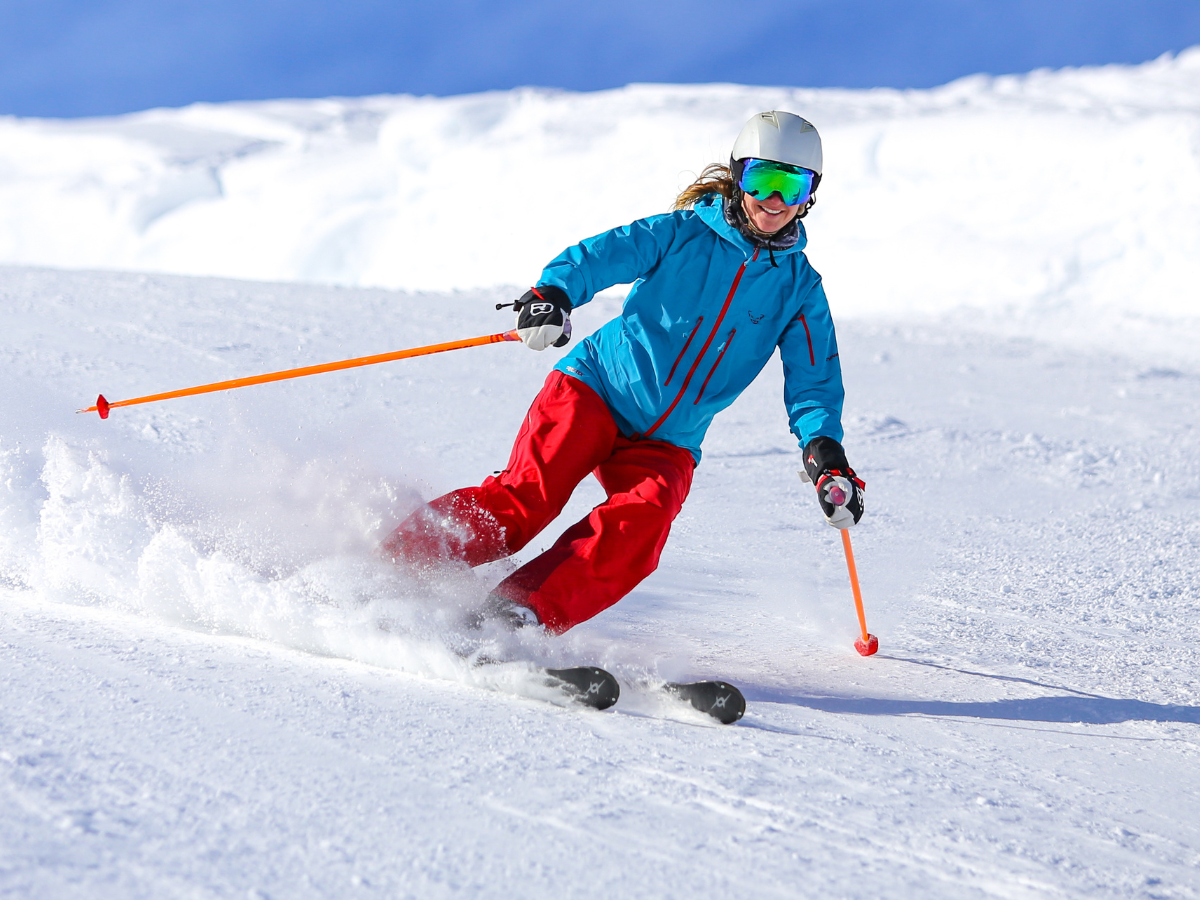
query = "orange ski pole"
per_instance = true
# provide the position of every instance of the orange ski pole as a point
(868, 644)
(103, 406)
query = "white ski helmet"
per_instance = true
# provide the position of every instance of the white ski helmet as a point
(781, 137)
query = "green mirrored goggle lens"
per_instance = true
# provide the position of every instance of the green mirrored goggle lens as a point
(761, 178)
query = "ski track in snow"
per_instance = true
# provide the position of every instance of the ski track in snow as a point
(212, 688)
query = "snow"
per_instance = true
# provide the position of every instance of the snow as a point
(212, 687)
(1054, 186)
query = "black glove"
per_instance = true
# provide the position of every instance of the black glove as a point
(542, 317)
(839, 491)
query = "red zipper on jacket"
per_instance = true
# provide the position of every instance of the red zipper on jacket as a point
(812, 360)
(728, 341)
(686, 344)
(699, 356)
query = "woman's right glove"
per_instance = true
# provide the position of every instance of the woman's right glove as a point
(543, 318)
(839, 491)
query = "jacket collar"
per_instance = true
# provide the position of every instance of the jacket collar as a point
(711, 210)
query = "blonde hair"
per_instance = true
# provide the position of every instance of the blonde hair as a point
(715, 179)
(718, 179)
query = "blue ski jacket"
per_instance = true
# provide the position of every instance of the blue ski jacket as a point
(705, 314)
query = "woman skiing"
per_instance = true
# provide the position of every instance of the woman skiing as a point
(718, 285)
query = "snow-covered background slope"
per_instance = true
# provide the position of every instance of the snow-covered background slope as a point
(211, 686)
(1053, 187)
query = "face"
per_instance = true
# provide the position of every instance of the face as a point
(769, 215)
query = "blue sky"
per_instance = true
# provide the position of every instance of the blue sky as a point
(99, 57)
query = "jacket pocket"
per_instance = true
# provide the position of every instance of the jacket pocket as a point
(686, 344)
(720, 356)
(812, 359)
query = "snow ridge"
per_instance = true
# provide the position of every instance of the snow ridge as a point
(1067, 187)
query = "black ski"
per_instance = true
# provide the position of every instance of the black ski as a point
(718, 699)
(588, 685)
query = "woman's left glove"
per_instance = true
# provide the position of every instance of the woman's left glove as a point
(840, 492)
(543, 318)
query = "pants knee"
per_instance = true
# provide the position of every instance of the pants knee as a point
(452, 528)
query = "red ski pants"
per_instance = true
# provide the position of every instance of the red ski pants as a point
(567, 433)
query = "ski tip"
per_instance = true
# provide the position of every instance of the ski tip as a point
(718, 699)
(589, 685)
(869, 647)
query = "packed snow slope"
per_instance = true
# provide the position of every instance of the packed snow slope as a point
(1050, 187)
(212, 686)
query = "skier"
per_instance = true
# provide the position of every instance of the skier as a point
(718, 285)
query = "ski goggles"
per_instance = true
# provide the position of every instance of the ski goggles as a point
(760, 178)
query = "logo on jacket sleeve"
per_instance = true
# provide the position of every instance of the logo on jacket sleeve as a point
(754, 320)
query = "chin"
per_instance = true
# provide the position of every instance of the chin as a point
(770, 226)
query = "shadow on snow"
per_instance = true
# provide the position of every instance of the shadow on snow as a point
(1075, 707)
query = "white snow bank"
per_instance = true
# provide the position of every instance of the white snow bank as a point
(1075, 189)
